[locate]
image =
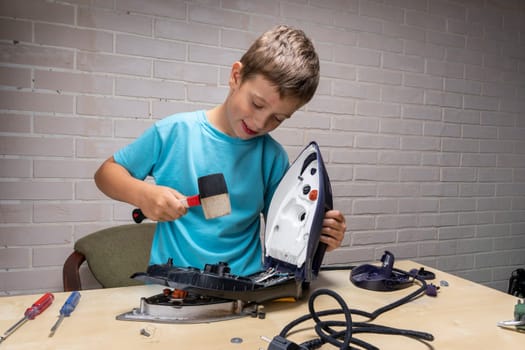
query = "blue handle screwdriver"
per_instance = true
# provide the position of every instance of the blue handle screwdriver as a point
(66, 310)
(36, 309)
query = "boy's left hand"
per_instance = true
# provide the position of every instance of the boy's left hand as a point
(334, 227)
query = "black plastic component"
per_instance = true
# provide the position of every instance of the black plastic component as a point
(517, 283)
(222, 285)
(306, 189)
(384, 278)
(281, 343)
(432, 290)
(138, 215)
(424, 274)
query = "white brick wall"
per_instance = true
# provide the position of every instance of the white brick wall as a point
(420, 115)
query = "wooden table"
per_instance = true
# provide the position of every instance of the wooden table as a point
(462, 316)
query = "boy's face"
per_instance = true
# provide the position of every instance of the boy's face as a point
(254, 107)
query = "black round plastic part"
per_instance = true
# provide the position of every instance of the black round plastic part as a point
(380, 278)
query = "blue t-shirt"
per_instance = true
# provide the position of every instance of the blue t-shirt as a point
(177, 150)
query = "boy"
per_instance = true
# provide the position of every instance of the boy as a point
(276, 76)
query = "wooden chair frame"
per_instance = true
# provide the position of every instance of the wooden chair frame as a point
(71, 273)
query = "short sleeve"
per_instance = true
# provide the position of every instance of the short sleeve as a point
(140, 156)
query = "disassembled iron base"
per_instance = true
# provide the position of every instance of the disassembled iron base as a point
(293, 256)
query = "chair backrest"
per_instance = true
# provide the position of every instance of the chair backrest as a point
(113, 255)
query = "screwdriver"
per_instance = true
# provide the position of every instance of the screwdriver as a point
(36, 309)
(66, 310)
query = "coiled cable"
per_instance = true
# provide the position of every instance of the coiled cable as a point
(343, 339)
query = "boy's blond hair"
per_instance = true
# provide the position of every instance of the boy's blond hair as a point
(286, 57)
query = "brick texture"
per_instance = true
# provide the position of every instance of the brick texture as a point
(419, 115)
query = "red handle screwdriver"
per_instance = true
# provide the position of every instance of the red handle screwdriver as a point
(36, 309)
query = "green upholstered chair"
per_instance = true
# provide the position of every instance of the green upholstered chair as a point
(112, 254)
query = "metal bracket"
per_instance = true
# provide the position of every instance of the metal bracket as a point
(161, 310)
(519, 317)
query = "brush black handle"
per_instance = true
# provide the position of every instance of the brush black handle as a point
(138, 215)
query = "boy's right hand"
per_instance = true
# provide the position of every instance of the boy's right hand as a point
(161, 203)
(158, 203)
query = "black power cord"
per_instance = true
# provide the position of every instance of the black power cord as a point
(343, 339)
